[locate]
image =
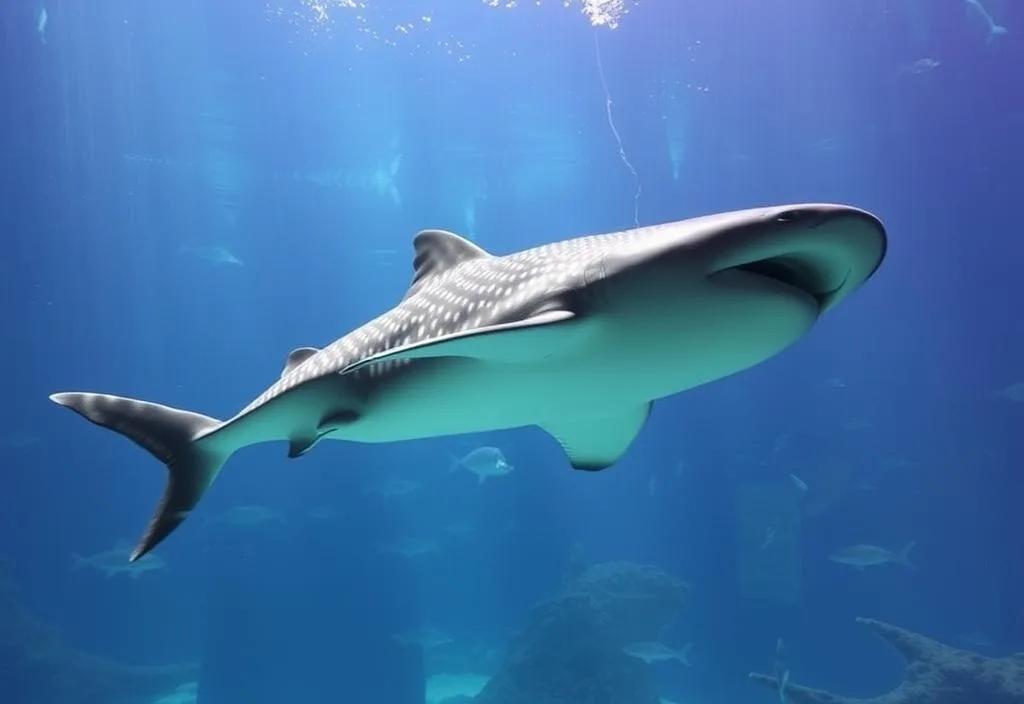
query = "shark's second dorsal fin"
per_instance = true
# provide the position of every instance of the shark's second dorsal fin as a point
(296, 357)
(440, 250)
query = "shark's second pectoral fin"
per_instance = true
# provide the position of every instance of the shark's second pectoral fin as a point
(597, 443)
(533, 338)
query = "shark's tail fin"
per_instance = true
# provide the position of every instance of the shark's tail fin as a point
(903, 556)
(169, 435)
(683, 654)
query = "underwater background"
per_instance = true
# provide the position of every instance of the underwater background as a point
(189, 190)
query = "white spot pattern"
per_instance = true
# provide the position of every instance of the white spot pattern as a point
(475, 293)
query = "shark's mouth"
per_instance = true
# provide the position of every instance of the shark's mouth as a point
(815, 276)
(824, 255)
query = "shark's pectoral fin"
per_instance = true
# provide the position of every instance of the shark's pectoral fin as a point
(597, 443)
(297, 357)
(298, 446)
(534, 338)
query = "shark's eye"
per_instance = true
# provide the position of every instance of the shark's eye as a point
(793, 216)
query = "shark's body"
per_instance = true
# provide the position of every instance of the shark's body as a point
(578, 337)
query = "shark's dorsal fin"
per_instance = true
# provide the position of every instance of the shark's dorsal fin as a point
(296, 357)
(440, 250)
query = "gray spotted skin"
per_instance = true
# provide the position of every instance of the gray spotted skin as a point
(478, 291)
(578, 337)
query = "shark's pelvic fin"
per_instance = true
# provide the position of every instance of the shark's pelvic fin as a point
(437, 251)
(170, 435)
(303, 442)
(534, 338)
(297, 357)
(596, 443)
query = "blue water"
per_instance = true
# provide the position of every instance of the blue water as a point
(189, 190)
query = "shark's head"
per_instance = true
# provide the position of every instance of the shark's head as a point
(725, 292)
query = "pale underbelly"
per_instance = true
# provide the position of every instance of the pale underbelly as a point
(467, 396)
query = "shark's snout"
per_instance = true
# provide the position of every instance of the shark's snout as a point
(824, 251)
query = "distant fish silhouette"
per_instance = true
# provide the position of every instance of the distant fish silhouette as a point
(41, 21)
(249, 515)
(654, 651)
(213, 254)
(861, 556)
(483, 462)
(115, 561)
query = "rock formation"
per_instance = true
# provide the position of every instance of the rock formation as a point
(571, 648)
(935, 674)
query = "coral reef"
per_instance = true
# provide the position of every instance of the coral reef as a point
(37, 665)
(571, 648)
(936, 674)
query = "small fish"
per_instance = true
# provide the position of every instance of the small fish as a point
(214, 255)
(484, 462)
(861, 556)
(248, 516)
(1013, 393)
(115, 561)
(393, 488)
(994, 30)
(920, 66)
(769, 537)
(425, 638)
(41, 21)
(18, 441)
(460, 529)
(411, 547)
(798, 482)
(856, 424)
(653, 651)
(323, 513)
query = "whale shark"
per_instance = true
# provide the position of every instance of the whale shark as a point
(578, 337)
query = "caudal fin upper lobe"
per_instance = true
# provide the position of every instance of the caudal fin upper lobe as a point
(170, 435)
